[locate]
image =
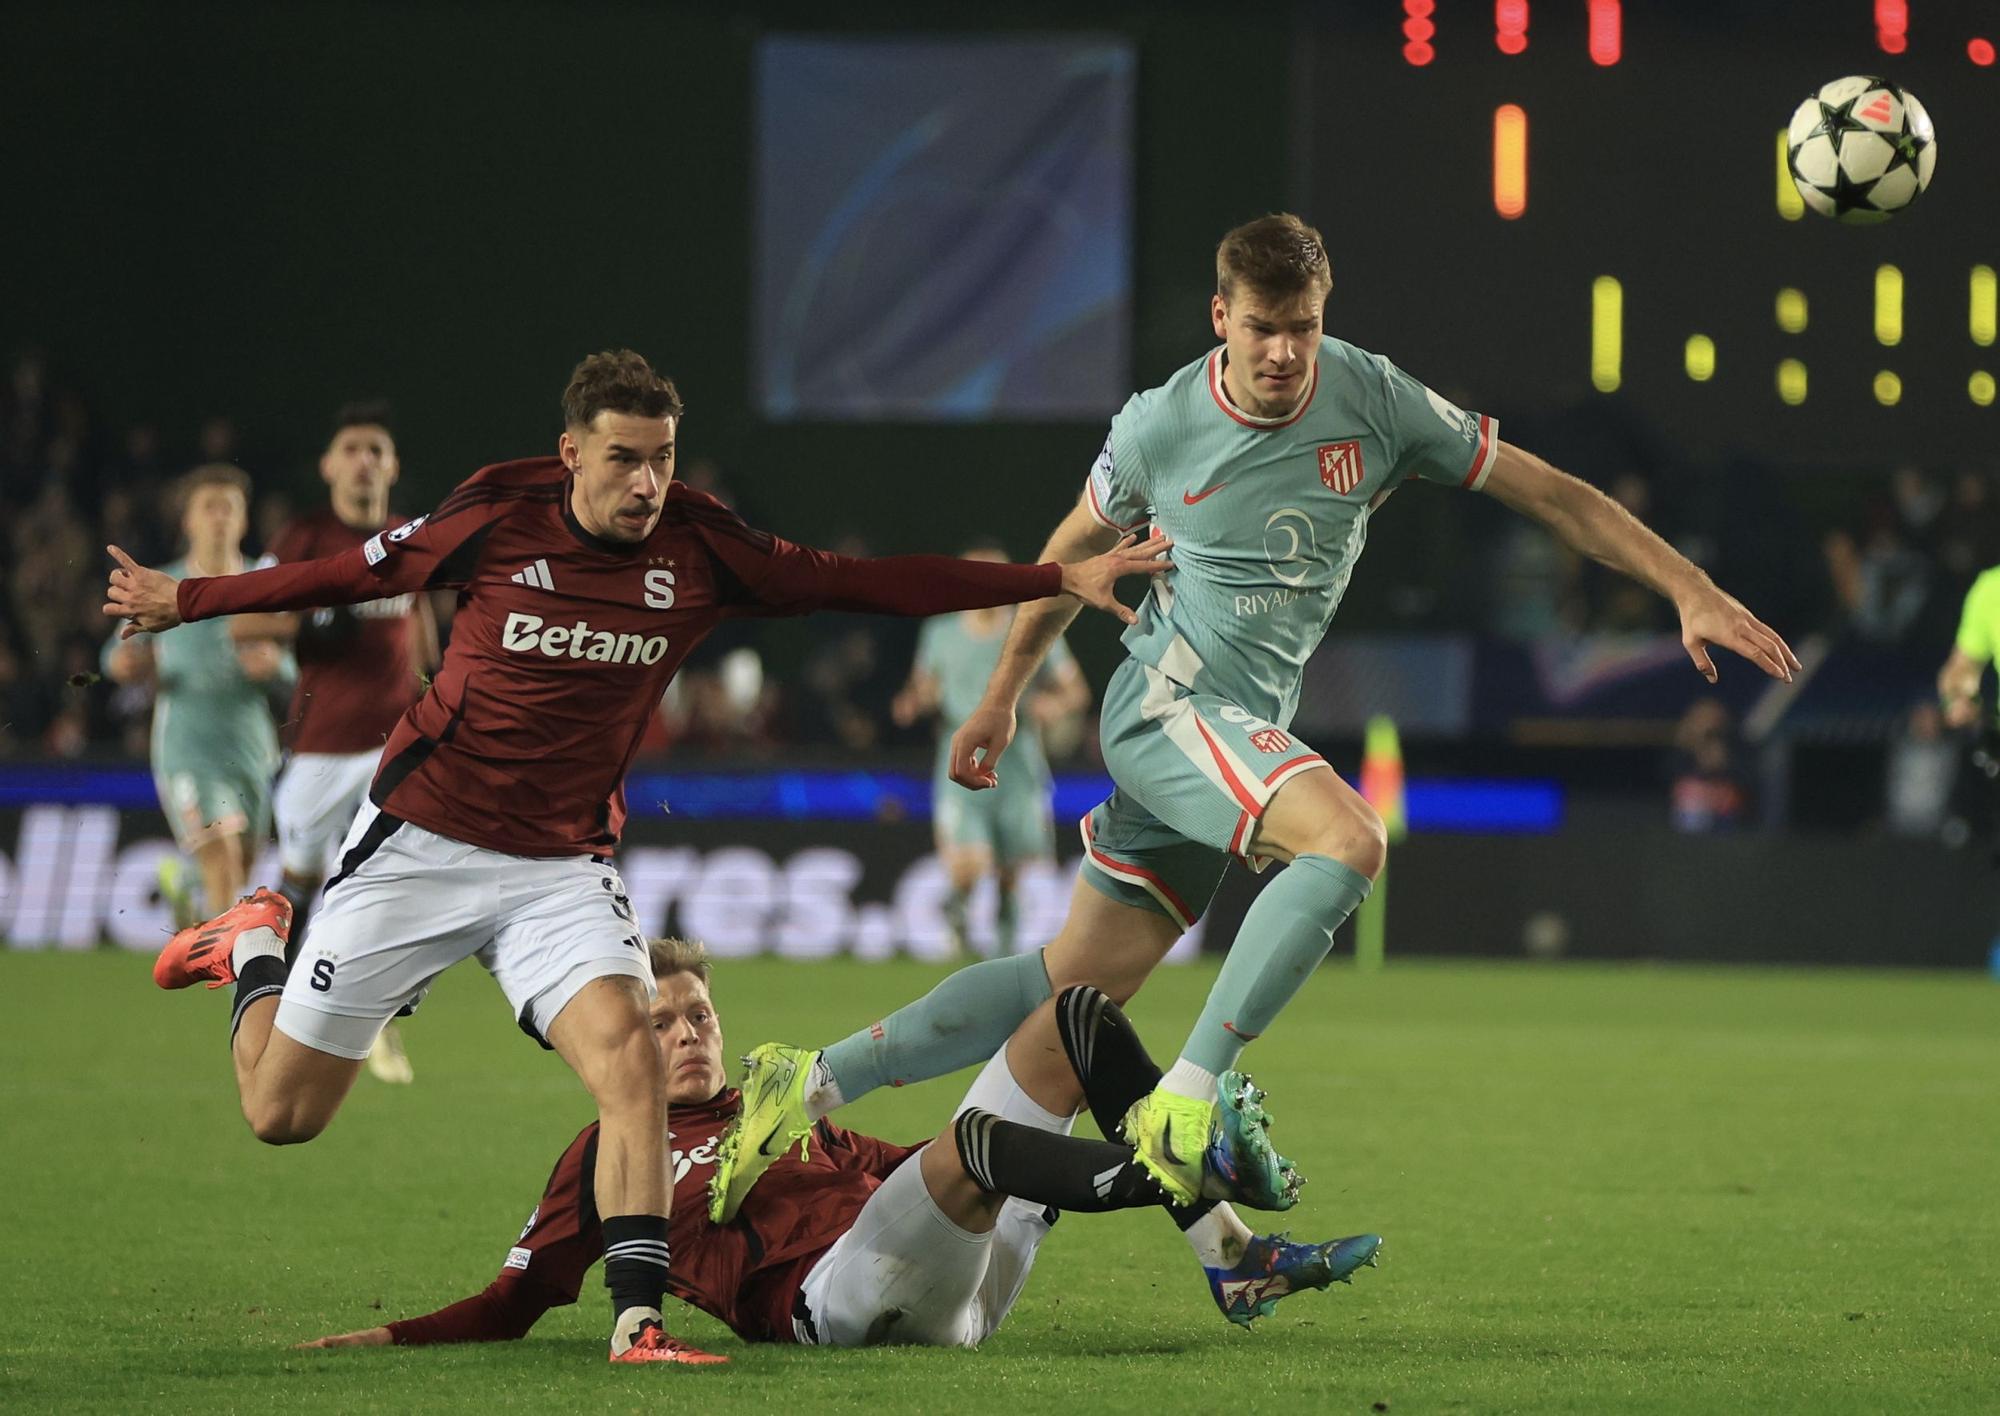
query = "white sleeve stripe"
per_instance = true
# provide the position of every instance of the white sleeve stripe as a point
(1486, 455)
(1090, 498)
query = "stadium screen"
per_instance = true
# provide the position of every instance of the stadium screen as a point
(944, 228)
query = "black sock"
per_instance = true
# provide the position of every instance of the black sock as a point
(635, 1260)
(302, 899)
(261, 977)
(1112, 1066)
(1007, 1158)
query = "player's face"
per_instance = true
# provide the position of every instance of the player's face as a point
(624, 464)
(1273, 344)
(358, 462)
(690, 1038)
(216, 518)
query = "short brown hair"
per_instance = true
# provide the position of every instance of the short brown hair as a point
(618, 381)
(209, 474)
(670, 956)
(1273, 255)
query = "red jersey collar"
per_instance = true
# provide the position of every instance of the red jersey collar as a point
(1248, 420)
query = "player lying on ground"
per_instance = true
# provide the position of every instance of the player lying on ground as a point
(859, 1241)
(1263, 461)
(361, 667)
(584, 580)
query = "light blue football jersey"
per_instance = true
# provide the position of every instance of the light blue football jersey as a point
(206, 711)
(1268, 516)
(962, 663)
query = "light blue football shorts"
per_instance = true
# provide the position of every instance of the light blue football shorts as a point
(1193, 773)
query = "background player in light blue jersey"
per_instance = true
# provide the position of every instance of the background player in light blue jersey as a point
(997, 831)
(1263, 461)
(214, 744)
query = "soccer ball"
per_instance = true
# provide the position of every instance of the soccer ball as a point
(1861, 149)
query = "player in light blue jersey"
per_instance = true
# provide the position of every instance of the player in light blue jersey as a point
(214, 744)
(1263, 460)
(997, 831)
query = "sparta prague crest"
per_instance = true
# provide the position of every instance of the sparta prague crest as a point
(1340, 467)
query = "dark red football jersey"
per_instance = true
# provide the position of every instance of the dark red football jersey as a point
(563, 643)
(356, 679)
(746, 1272)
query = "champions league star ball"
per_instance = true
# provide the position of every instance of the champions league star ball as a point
(1861, 149)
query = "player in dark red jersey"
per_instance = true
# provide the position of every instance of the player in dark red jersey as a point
(584, 580)
(863, 1241)
(360, 668)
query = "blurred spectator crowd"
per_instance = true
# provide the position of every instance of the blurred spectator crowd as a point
(69, 487)
(1882, 564)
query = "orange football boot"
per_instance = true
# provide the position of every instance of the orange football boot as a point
(203, 950)
(655, 1344)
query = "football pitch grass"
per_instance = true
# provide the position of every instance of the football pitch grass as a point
(1604, 1189)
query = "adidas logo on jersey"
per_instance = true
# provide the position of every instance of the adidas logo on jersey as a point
(530, 634)
(536, 575)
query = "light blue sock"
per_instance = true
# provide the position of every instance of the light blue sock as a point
(1288, 930)
(963, 1020)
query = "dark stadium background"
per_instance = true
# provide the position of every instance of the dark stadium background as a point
(253, 213)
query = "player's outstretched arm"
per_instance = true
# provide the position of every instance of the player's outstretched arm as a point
(981, 739)
(1592, 524)
(153, 601)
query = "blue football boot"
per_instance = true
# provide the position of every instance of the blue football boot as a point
(1272, 1267)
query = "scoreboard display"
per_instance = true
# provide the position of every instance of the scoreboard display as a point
(1534, 204)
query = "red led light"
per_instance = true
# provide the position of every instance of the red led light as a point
(1980, 52)
(1510, 25)
(1607, 39)
(1418, 30)
(1892, 25)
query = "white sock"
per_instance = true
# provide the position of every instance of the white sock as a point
(1218, 1238)
(995, 1090)
(1186, 1079)
(822, 1091)
(625, 1327)
(258, 943)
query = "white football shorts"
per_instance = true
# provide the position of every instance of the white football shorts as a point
(408, 903)
(317, 798)
(907, 1274)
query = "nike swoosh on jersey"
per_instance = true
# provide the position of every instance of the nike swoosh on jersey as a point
(1191, 498)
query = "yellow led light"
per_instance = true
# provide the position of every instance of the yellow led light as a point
(1792, 310)
(1980, 386)
(1510, 160)
(1888, 305)
(1607, 333)
(1700, 358)
(1792, 382)
(1982, 320)
(1791, 205)
(1888, 389)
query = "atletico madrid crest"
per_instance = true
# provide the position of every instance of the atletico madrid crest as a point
(1270, 740)
(1340, 467)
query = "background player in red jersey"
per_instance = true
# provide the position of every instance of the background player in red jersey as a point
(360, 668)
(584, 580)
(863, 1241)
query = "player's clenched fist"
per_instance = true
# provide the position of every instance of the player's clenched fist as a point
(1091, 581)
(987, 731)
(145, 597)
